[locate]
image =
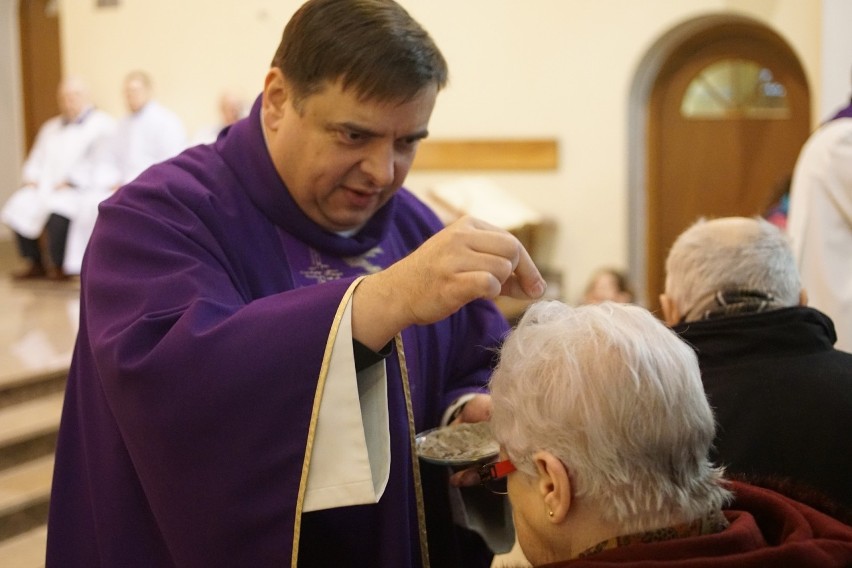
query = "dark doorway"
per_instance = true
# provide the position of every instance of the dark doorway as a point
(41, 63)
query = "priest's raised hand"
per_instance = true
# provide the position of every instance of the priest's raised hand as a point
(467, 260)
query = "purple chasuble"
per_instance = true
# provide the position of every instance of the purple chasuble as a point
(845, 112)
(309, 266)
(207, 300)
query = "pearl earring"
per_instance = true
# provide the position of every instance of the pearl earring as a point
(550, 513)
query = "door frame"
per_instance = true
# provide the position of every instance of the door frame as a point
(648, 70)
(20, 83)
(11, 105)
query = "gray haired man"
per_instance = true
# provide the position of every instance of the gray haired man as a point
(782, 393)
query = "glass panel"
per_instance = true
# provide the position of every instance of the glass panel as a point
(735, 89)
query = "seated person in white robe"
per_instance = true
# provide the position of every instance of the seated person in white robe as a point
(53, 174)
(150, 133)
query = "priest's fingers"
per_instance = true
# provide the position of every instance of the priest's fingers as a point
(524, 281)
(465, 478)
(467, 260)
(477, 409)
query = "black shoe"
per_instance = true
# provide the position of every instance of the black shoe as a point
(34, 272)
(58, 275)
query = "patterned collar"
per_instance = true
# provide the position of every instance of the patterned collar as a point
(726, 303)
(80, 118)
(712, 523)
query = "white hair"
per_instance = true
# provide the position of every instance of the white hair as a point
(617, 396)
(730, 254)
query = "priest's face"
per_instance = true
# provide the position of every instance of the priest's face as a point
(342, 158)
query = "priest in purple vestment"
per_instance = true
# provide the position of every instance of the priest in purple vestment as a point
(267, 321)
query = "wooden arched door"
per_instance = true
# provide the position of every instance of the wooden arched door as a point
(728, 114)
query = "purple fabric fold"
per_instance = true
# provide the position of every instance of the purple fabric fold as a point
(207, 299)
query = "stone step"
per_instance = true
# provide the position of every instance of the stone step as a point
(24, 496)
(26, 550)
(18, 388)
(31, 391)
(28, 422)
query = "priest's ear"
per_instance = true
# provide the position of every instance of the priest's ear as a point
(275, 95)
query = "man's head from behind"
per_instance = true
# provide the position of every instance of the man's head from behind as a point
(602, 411)
(729, 266)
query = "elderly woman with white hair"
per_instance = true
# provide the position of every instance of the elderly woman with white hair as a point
(604, 431)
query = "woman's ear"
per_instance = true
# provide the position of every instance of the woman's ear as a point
(554, 485)
(275, 94)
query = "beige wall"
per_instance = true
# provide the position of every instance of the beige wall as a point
(836, 52)
(519, 68)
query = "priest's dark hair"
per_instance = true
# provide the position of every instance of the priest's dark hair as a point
(372, 46)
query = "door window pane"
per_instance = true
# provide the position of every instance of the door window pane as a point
(735, 89)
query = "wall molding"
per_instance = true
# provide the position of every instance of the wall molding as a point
(487, 154)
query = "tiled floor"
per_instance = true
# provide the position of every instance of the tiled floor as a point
(38, 321)
(38, 326)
